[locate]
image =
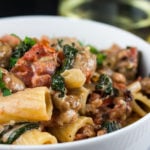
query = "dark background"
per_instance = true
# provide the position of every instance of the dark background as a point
(28, 7)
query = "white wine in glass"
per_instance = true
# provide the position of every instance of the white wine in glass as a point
(132, 15)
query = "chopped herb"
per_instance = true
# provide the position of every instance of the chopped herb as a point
(3, 88)
(99, 55)
(104, 85)
(58, 83)
(111, 126)
(19, 51)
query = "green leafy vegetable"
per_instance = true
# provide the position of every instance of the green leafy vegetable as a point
(93, 49)
(100, 58)
(99, 55)
(6, 92)
(19, 51)
(111, 126)
(104, 85)
(58, 83)
(29, 42)
(5, 130)
(3, 88)
(70, 53)
(18, 132)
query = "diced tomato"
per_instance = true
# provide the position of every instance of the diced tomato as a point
(37, 65)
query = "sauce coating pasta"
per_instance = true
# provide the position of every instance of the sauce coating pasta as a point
(58, 90)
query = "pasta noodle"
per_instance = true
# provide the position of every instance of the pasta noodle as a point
(135, 87)
(35, 137)
(68, 132)
(74, 78)
(82, 93)
(28, 105)
(144, 100)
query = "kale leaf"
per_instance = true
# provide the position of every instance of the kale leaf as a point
(58, 84)
(19, 51)
(69, 53)
(3, 88)
(111, 126)
(100, 57)
(105, 86)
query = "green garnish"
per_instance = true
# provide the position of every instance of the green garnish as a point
(19, 51)
(5, 130)
(111, 126)
(99, 55)
(58, 83)
(70, 53)
(3, 88)
(93, 49)
(100, 58)
(18, 132)
(105, 86)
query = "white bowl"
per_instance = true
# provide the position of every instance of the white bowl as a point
(132, 137)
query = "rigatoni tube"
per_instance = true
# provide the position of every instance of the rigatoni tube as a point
(29, 105)
(74, 78)
(35, 137)
(67, 133)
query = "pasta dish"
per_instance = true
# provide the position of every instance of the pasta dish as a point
(55, 90)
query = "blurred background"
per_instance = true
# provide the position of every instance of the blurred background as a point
(131, 15)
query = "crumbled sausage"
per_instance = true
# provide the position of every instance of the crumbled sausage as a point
(11, 81)
(145, 82)
(121, 110)
(124, 61)
(85, 132)
(11, 40)
(5, 53)
(67, 109)
(86, 62)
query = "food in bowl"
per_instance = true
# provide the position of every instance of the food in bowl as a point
(60, 90)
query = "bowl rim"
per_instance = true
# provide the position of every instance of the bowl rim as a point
(90, 140)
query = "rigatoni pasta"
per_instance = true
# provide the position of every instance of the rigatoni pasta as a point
(35, 137)
(68, 132)
(82, 93)
(74, 78)
(32, 104)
